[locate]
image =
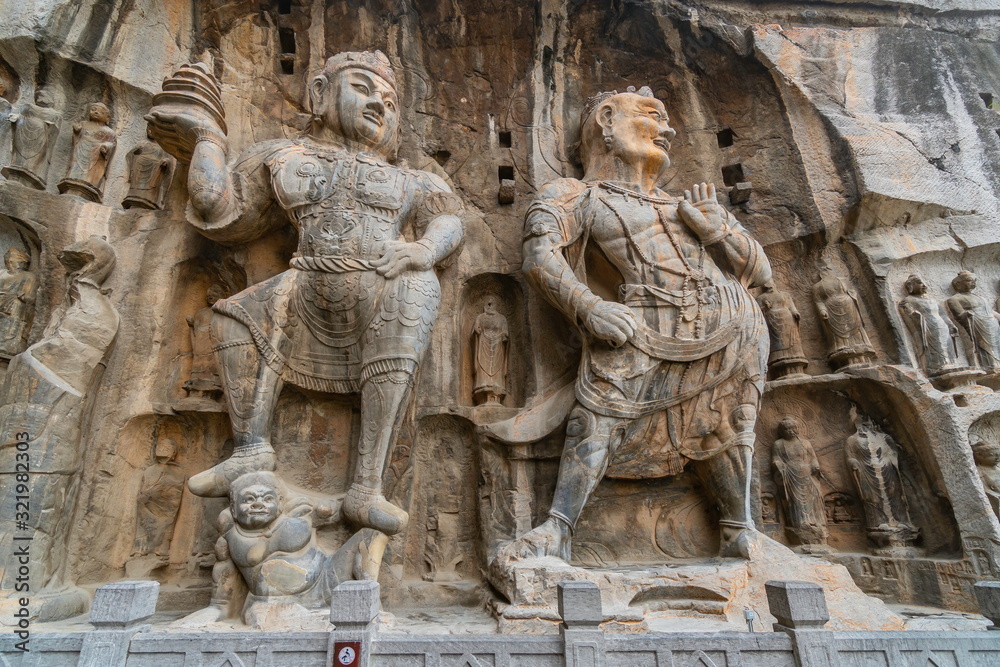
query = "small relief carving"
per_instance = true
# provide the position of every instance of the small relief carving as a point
(979, 320)
(786, 358)
(203, 385)
(874, 465)
(840, 314)
(768, 508)
(931, 330)
(839, 509)
(17, 302)
(93, 147)
(796, 474)
(35, 128)
(150, 170)
(159, 501)
(491, 337)
(987, 456)
(5, 109)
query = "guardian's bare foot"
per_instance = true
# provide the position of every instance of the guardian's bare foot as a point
(551, 538)
(368, 507)
(214, 482)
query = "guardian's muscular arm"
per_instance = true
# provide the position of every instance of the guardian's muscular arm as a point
(548, 229)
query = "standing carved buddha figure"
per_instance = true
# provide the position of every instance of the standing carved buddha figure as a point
(874, 465)
(354, 312)
(159, 500)
(203, 382)
(979, 320)
(840, 314)
(35, 130)
(17, 302)
(786, 357)
(987, 457)
(93, 147)
(491, 336)
(933, 333)
(795, 471)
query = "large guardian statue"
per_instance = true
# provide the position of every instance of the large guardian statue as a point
(674, 353)
(354, 311)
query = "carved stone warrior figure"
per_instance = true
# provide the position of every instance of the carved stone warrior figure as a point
(150, 170)
(159, 501)
(204, 379)
(786, 357)
(93, 147)
(491, 335)
(932, 331)
(355, 310)
(987, 456)
(840, 314)
(679, 359)
(874, 465)
(35, 129)
(972, 312)
(796, 470)
(17, 302)
(269, 537)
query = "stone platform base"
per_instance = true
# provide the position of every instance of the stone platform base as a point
(667, 598)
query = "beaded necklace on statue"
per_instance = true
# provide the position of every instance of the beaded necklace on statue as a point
(695, 277)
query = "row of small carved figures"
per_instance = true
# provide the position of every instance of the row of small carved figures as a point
(34, 131)
(933, 326)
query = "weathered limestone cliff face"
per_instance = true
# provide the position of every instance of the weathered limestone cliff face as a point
(856, 142)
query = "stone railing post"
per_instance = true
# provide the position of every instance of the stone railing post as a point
(988, 595)
(353, 610)
(582, 613)
(117, 615)
(800, 608)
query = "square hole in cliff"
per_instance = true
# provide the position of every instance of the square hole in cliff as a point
(987, 99)
(725, 138)
(505, 140)
(733, 174)
(505, 173)
(284, 6)
(287, 38)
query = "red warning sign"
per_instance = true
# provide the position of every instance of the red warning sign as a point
(346, 654)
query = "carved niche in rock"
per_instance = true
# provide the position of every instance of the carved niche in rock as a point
(873, 461)
(35, 128)
(159, 500)
(365, 296)
(203, 384)
(17, 302)
(840, 314)
(979, 320)
(987, 457)
(150, 171)
(41, 408)
(786, 358)
(268, 537)
(490, 339)
(93, 147)
(931, 330)
(839, 508)
(648, 357)
(796, 475)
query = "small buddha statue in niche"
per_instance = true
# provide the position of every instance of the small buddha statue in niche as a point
(491, 347)
(159, 501)
(93, 147)
(17, 302)
(204, 383)
(35, 128)
(840, 315)
(786, 358)
(796, 469)
(150, 170)
(979, 320)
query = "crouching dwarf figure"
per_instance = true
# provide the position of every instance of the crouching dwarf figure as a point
(675, 353)
(355, 310)
(269, 537)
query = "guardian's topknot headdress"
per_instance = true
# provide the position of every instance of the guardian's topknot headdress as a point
(595, 100)
(373, 61)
